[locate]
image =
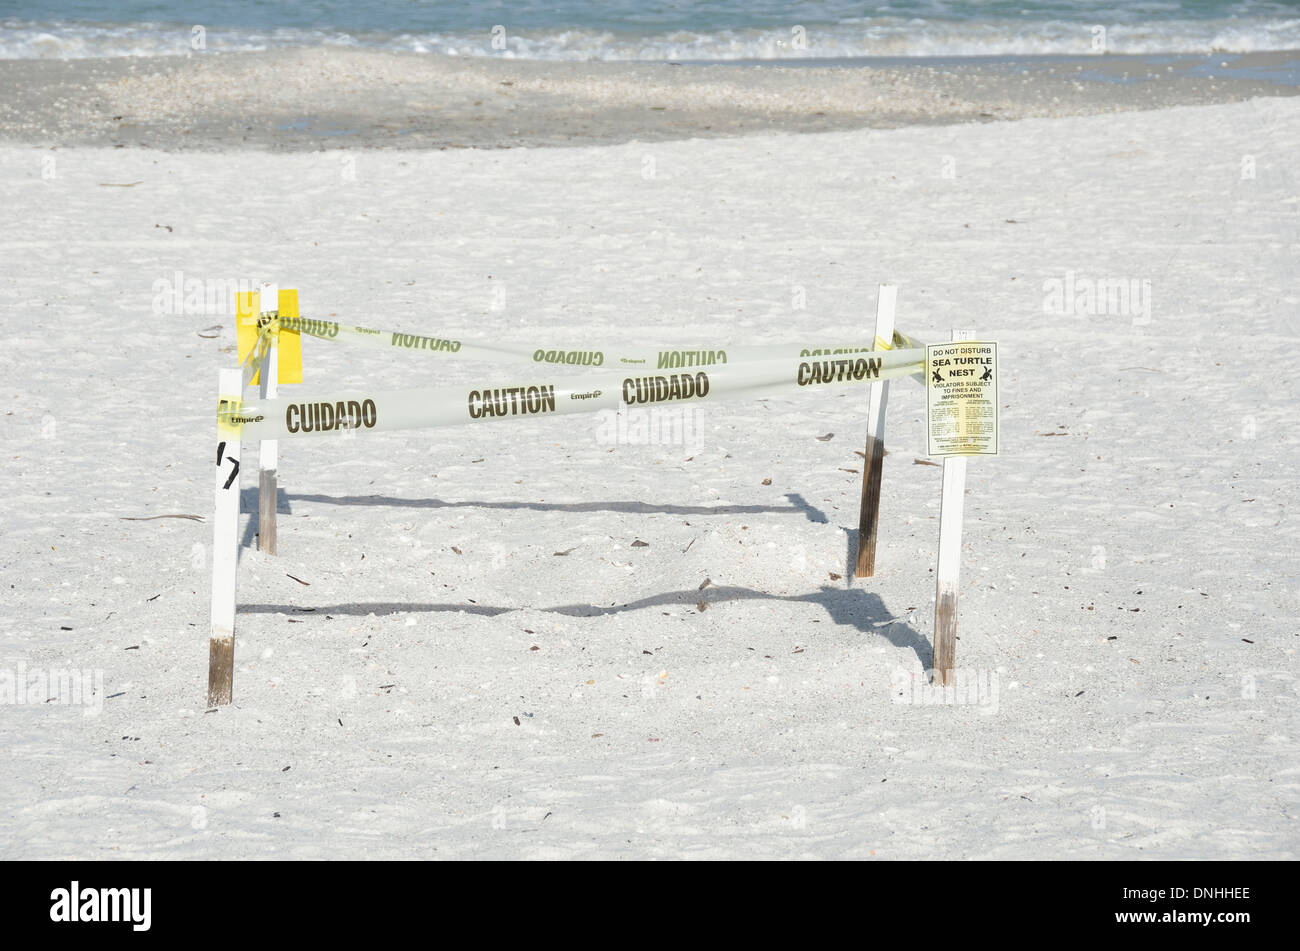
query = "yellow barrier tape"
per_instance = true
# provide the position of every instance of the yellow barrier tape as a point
(903, 342)
(229, 410)
(591, 354)
(260, 351)
(289, 369)
(547, 393)
(251, 323)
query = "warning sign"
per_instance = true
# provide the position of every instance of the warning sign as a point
(961, 398)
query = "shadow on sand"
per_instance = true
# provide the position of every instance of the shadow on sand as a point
(862, 610)
(797, 505)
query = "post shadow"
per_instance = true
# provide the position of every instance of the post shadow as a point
(798, 504)
(862, 610)
(248, 506)
(851, 607)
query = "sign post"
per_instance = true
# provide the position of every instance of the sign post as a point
(225, 542)
(268, 451)
(961, 415)
(873, 463)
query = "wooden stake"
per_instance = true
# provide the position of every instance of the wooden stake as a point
(872, 466)
(268, 451)
(948, 569)
(225, 550)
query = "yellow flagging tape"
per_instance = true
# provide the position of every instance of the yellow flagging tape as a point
(260, 351)
(903, 342)
(229, 415)
(547, 393)
(252, 323)
(289, 369)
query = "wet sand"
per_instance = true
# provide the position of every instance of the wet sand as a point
(309, 99)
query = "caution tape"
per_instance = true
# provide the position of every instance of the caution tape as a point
(255, 318)
(903, 342)
(362, 411)
(261, 349)
(614, 356)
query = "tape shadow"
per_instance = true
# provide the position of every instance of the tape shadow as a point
(862, 610)
(797, 504)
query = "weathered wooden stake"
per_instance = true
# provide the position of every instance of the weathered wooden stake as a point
(225, 547)
(268, 451)
(948, 569)
(872, 466)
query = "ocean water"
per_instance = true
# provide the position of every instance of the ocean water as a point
(678, 30)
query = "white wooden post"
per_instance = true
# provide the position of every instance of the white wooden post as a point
(948, 570)
(225, 547)
(268, 451)
(872, 465)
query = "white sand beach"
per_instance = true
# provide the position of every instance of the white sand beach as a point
(459, 617)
